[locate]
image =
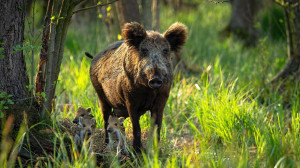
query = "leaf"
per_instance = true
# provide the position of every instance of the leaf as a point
(281, 21)
(53, 18)
(43, 94)
(2, 94)
(293, 15)
(10, 101)
(21, 8)
(119, 37)
(108, 8)
(1, 56)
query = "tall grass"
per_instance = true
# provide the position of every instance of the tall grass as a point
(223, 116)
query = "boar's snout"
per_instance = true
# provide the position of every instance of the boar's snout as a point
(88, 133)
(155, 82)
(75, 121)
(109, 130)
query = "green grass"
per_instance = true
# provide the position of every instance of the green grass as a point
(225, 116)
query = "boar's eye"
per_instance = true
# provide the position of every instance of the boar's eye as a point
(81, 115)
(144, 51)
(166, 51)
(83, 125)
(116, 124)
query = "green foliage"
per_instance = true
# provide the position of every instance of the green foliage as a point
(9, 148)
(1, 55)
(273, 22)
(224, 115)
(5, 101)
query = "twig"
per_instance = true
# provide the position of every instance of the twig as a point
(79, 10)
(32, 53)
(217, 2)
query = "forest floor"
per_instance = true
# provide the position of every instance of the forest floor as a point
(224, 115)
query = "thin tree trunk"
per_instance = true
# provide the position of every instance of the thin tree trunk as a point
(292, 68)
(58, 31)
(156, 17)
(128, 11)
(41, 69)
(103, 12)
(147, 14)
(53, 48)
(50, 61)
(242, 21)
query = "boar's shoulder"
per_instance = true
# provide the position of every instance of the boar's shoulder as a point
(111, 47)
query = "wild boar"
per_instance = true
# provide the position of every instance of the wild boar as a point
(116, 131)
(135, 75)
(84, 131)
(82, 112)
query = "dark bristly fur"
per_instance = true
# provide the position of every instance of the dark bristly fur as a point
(135, 75)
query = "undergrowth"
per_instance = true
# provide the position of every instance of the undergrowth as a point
(225, 115)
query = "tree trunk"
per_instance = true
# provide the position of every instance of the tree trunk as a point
(292, 68)
(147, 14)
(41, 69)
(128, 11)
(63, 10)
(242, 21)
(13, 77)
(156, 13)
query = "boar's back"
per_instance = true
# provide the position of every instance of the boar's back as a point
(111, 47)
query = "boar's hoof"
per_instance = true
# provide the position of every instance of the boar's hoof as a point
(155, 83)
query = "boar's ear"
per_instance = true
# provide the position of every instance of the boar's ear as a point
(176, 35)
(133, 33)
(121, 119)
(89, 110)
(109, 118)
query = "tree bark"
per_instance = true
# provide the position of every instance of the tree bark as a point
(128, 11)
(13, 77)
(41, 69)
(58, 31)
(53, 49)
(292, 68)
(242, 21)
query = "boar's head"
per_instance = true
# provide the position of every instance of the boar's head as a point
(151, 58)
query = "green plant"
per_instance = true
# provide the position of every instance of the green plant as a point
(5, 101)
(214, 117)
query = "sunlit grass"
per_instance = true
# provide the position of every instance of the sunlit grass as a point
(222, 116)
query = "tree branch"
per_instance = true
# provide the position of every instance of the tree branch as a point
(91, 7)
(217, 2)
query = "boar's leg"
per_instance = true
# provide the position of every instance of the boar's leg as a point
(137, 144)
(157, 113)
(106, 111)
(134, 117)
(156, 118)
